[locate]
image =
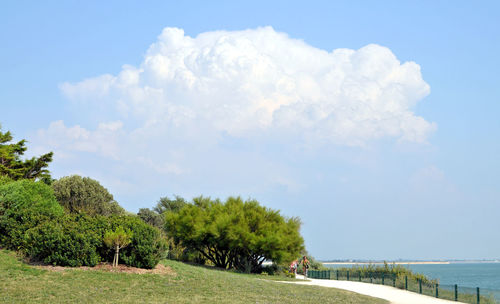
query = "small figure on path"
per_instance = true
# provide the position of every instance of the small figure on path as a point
(293, 267)
(305, 265)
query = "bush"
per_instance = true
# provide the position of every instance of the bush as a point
(273, 269)
(24, 204)
(84, 195)
(66, 241)
(32, 220)
(289, 274)
(77, 240)
(278, 270)
(388, 271)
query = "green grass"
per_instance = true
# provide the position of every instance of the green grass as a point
(21, 283)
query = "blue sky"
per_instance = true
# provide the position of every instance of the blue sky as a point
(398, 159)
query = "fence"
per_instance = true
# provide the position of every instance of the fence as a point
(425, 287)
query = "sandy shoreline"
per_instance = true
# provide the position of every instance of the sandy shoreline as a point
(391, 294)
(389, 263)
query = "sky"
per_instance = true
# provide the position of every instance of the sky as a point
(376, 122)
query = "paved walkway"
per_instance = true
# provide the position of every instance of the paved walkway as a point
(393, 295)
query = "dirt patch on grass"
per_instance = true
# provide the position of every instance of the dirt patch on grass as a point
(159, 269)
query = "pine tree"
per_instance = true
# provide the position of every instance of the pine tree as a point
(13, 166)
(117, 240)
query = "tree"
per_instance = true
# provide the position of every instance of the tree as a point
(165, 204)
(147, 245)
(152, 218)
(117, 239)
(236, 234)
(14, 167)
(85, 195)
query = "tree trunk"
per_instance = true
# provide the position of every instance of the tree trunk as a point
(117, 255)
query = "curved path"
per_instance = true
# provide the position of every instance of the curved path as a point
(391, 294)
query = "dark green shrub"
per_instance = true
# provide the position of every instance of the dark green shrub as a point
(272, 269)
(76, 240)
(66, 241)
(85, 195)
(24, 204)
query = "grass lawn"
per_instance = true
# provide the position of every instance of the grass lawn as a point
(22, 283)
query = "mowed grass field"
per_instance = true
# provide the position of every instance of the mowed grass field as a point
(179, 283)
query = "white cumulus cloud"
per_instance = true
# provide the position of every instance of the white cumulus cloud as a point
(228, 111)
(255, 82)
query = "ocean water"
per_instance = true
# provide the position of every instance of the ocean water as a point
(486, 276)
(482, 275)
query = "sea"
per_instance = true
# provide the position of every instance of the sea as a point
(486, 276)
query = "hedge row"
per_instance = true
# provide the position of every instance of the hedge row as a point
(32, 221)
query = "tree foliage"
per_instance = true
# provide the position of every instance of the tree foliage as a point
(4, 179)
(16, 168)
(85, 195)
(69, 240)
(148, 244)
(235, 234)
(165, 204)
(151, 217)
(117, 239)
(23, 205)
(79, 240)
